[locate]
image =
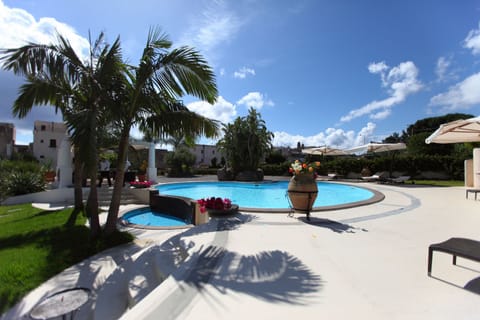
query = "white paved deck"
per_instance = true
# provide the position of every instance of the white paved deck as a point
(367, 262)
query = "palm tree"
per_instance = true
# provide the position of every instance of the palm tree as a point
(245, 142)
(81, 90)
(150, 93)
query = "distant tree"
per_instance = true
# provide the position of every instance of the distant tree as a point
(246, 141)
(274, 157)
(416, 134)
(429, 125)
(394, 138)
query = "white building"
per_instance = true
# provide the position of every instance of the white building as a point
(47, 137)
(205, 153)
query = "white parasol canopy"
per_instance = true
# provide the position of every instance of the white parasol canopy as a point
(377, 147)
(467, 130)
(326, 151)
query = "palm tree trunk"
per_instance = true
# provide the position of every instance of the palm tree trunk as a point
(78, 191)
(92, 201)
(78, 182)
(92, 207)
(111, 224)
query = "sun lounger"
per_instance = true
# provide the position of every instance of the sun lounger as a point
(379, 176)
(334, 176)
(458, 247)
(400, 179)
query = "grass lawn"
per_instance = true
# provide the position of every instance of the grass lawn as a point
(36, 245)
(439, 183)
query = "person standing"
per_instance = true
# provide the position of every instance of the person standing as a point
(104, 172)
(125, 173)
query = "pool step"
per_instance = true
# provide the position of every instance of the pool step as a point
(105, 196)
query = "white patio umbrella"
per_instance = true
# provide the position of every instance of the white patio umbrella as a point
(376, 147)
(467, 130)
(379, 147)
(326, 151)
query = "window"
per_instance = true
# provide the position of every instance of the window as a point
(41, 141)
(53, 143)
(43, 127)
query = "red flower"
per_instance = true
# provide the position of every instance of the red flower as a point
(214, 203)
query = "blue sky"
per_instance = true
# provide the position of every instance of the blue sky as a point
(336, 73)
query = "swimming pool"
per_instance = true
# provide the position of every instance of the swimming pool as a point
(271, 195)
(146, 217)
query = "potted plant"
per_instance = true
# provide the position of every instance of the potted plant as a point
(48, 171)
(141, 173)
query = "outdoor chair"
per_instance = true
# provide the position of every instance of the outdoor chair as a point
(458, 247)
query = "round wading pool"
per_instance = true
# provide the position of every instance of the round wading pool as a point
(145, 217)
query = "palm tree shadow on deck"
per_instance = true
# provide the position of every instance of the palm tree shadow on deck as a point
(335, 226)
(274, 276)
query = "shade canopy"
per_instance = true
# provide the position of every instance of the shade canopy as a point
(467, 130)
(377, 147)
(326, 151)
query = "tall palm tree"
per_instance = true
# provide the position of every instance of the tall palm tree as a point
(81, 90)
(150, 91)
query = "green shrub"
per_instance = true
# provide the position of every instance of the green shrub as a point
(24, 182)
(20, 177)
(180, 162)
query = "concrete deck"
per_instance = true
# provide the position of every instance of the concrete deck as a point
(368, 262)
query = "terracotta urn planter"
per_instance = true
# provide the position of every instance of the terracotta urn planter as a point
(302, 191)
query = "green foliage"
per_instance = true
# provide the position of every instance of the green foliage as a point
(180, 162)
(429, 125)
(214, 162)
(20, 177)
(412, 165)
(276, 169)
(245, 142)
(24, 182)
(275, 156)
(36, 245)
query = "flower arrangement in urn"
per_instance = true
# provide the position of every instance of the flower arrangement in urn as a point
(299, 167)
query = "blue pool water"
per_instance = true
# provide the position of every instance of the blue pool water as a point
(146, 217)
(265, 195)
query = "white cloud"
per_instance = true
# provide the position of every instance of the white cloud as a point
(222, 72)
(18, 27)
(255, 100)
(221, 110)
(462, 95)
(216, 26)
(472, 41)
(243, 72)
(401, 82)
(441, 68)
(332, 137)
(377, 67)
